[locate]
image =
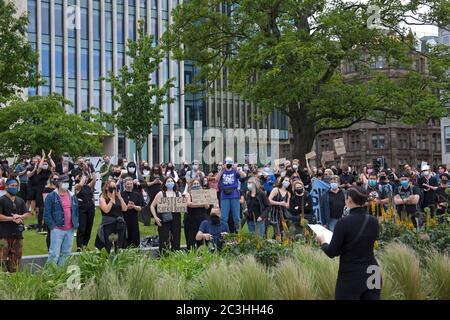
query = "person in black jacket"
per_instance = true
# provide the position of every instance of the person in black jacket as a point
(257, 207)
(353, 240)
(301, 205)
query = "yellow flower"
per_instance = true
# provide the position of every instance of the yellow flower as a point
(375, 244)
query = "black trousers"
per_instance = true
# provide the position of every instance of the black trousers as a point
(132, 221)
(86, 222)
(23, 191)
(353, 286)
(40, 219)
(108, 245)
(170, 234)
(191, 225)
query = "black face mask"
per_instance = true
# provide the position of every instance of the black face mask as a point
(444, 181)
(117, 174)
(111, 189)
(229, 165)
(299, 190)
(215, 219)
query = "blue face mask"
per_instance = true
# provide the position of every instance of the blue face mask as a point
(372, 182)
(404, 183)
(195, 187)
(334, 185)
(12, 190)
(170, 185)
(250, 186)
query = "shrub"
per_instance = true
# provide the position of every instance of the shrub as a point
(439, 275)
(254, 280)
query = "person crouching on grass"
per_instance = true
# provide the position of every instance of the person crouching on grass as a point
(213, 230)
(61, 217)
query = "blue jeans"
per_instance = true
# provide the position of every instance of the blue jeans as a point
(260, 225)
(332, 223)
(233, 206)
(61, 242)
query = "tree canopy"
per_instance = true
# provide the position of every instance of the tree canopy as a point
(42, 122)
(292, 55)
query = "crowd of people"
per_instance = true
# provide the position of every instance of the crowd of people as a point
(268, 199)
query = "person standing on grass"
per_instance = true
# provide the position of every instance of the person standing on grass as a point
(196, 213)
(134, 201)
(279, 198)
(257, 207)
(353, 241)
(13, 212)
(21, 171)
(228, 179)
(84, 189)
(61, 217)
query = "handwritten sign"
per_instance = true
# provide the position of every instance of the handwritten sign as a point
(172, 204)
(310, 155)
(208, 196)
(339, 146)
(327, 156)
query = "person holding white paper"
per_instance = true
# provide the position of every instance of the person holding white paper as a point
(353, 240)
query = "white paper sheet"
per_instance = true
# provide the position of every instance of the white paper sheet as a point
(319, 230)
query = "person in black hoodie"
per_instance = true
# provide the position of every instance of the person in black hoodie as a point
(134, 201)
(257, 207)
(353, 240)
(300, 206)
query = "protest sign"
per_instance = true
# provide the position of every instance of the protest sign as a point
(310, 155)
(172, 204)
(339, 146)
(199, 197)
(327, 156)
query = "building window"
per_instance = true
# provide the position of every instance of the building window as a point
(403, 141)
(59, 60)
(84, 24)
(131, 27)
(84, 64)
(447, 139)
(108, 62)
(96, 24)
(32, 15)
(121, 145)
(45, 60)
(421, 141)
(72, 60)
(97, 63)
(378, 141)
(324, 144)
(45, 18)
(59, 25)
(108, 26)
(119, 27)
(436, 142)
(355, 142)
(84, 100)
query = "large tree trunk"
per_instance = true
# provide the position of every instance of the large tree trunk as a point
(303, 130)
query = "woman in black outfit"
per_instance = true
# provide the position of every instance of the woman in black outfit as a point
(258, 207)
(300, 206)
(112, 207)
(84, 189)
(353, 240)
(196, 213)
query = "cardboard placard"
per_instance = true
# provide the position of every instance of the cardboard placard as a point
(310, 155)
(172, 204)
(208, 196)
(327, 156)
(251, 158)
(339, 146)
(277, 162)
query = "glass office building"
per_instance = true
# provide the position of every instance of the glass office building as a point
(75, 53)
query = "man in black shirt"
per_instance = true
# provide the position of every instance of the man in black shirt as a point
(12, 213)
(407, 198)
(429, 184)
(442, 199)
(346, 178)
(135, 202)
(336, 203)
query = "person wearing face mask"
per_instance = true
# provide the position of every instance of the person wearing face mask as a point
(212, 182)
(106, 169)
(429, 184)
(441, 170)
(279, 199)
(195, 172)
(135, 202)
(258, 207)
(196, 213)
(154, 182)
(62, 219)
(300, 206)
(213, 230)
(84, 190)
(407, 198)
(131, 173)
(353, 241)
(66, 166)
(373, 195)
(171, 172)
(327, 174)
(442, 199)
(346, 178)
(112, 206)
(169, 223)
(269, 180)
(228, 179)
(21, 171)
(334, 203)
(184, 169)
(13, 212)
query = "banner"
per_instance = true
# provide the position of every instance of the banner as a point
(208, 196)
(172, 204)
(319, 187)
(327, 156)
(339, 146)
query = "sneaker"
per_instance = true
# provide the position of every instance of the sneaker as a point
(43, 232)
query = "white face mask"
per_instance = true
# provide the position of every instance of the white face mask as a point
(65, 185)
(45, 166)
(132, 170)
(295, 167)
(426, 173)
(195, 167)
(145, 173)
(66, 158)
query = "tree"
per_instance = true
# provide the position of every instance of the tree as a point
(139, 100)
(18, 60)
(288, 55)
(27, 127)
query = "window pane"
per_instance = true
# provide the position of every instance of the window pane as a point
(84, 23)
(108, 26)
(32, 15)
(96, 64)
(119, 27)
(31, 91)
(45, 21)
(72, 57)
(59, 58)
(84, 100)
(45, 90)
(84, 64)
(108, 62)
(59, 20)
(72, 96)
(46, 60)
(131, 27)
(97, 100)
(96, 24)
